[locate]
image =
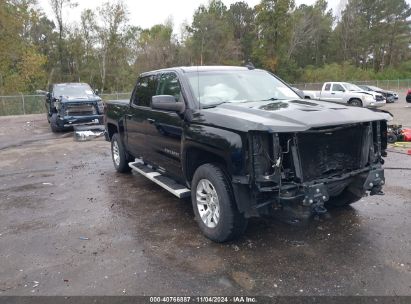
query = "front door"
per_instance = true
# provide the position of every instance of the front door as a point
(163, 136)
(337, 93)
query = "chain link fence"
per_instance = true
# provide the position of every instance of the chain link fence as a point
(35, 104)
(391, 85)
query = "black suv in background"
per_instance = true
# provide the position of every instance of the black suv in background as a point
(70, 104)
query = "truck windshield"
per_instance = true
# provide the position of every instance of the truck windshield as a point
(375, 88)
(352, 87)
(215, 87)
(72, 90)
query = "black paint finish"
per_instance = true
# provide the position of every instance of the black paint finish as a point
(237, 135)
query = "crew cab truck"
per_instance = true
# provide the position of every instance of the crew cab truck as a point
(71, 104)
(347, 93)
(241, 144)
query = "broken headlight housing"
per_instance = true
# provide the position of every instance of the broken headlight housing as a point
(57, 104)
(369, 97)
(100, 105)
(265, 157)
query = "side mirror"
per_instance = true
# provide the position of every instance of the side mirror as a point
(96, 91)
(167, 103)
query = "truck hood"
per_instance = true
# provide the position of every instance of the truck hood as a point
(389, 92)
(79, 99)
(285, 115)
(366, 92)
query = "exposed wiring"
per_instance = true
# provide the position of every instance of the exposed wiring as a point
(288, 146)
(277, 164)
(282, 169)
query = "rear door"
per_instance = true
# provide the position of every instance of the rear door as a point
(164, 129)
(136, 119)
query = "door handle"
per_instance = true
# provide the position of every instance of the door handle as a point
(333, 93)
(150, 120)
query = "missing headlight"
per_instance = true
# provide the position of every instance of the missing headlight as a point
(265, 157)
(100, 105)
(57, 104)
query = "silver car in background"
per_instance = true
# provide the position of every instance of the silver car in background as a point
(347, 93)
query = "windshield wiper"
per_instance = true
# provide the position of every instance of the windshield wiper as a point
(270, 99)
(212, 105)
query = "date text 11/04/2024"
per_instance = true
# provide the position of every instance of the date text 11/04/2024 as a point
(205, 299)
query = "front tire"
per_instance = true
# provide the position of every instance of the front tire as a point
(391, 138)
(356, 103)
(53, 124)
(119, 155)
(214, 205)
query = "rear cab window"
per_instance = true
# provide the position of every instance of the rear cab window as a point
(327, 87)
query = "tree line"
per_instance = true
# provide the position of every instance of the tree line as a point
(369, 40)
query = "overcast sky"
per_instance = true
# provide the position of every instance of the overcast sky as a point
(157, 11)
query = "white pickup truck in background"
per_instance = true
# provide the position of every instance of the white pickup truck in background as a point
(347, 93)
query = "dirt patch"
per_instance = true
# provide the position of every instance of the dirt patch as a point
(243, 279)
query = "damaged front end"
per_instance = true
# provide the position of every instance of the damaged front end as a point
(302, 172)
(78, 112)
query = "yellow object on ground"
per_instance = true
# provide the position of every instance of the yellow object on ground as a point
(403, 144)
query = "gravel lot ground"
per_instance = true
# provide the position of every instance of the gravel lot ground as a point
(70, 225)
(401, 110)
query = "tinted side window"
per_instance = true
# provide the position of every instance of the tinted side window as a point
(169, 85)
(337, 87)
(145, 89)
(327, 86)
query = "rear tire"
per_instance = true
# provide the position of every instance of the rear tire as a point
(391, 138)
(119, 155)
(53, 124)
(214, 206)
(356, 103)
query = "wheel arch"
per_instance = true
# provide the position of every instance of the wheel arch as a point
(212, 145)
(111, 130)
(196, 156)
(355, 98)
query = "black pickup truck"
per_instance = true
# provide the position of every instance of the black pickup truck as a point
(242, 143)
